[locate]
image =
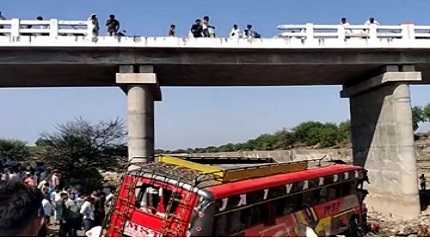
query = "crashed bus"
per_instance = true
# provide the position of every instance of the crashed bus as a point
(176, 197)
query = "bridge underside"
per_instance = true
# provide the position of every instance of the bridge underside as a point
(81, 67)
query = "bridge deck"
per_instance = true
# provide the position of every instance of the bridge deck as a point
(56, 53)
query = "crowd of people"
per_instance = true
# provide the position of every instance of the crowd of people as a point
(204, 29)
(60, 206)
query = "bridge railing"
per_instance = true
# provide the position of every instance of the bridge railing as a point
(15, 28)
(54, 32)
(311, 33)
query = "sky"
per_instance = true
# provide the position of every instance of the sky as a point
(198, 117)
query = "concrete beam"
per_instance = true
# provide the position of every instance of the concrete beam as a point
(136, 78)
(145, 76)
(380, 80)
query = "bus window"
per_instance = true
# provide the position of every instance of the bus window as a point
(229, 224)
(346, 188)
(293, 204)
(311, 198)
(155, 200)
(323, 195)
(221, 226)
(331, 193)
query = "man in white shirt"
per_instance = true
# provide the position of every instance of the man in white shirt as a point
(371, 20)
(48, 210)
(235, 32)
(87, 211)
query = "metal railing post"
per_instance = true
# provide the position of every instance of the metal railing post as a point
(14, 28)
(53, 28)
(373, 33)
(341, 32)
(310, 33)
(90, 33)
(411, 30)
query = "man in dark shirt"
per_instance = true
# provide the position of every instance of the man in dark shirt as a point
(422, 182)
(172, 31)
(112, 25)
(197, 29)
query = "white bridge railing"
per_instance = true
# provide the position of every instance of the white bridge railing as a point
(15, 28)
(336, 34)
(54, 32)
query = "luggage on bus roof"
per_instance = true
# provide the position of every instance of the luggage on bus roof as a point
(229, 173)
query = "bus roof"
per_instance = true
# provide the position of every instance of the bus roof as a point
(249, 185)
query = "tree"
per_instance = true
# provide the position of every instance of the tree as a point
(78, 149)
(426, 112)
(286, 139)
(345, 131)
(328, 135)
(418, 116)
(308, 132)
(14, 150)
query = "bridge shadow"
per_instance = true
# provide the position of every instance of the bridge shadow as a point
(366, 110)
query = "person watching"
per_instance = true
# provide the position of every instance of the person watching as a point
(21, 212)
(197, 29)
(112, 25)
(172, 31)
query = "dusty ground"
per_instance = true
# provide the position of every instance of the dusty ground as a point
(389, 227)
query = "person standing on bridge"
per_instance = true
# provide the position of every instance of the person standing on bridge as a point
(345, 25)
(112, 25)
(235, 32)
(343, 22)
(197, 29)
(251, 33)
(208, 30)
(172, 31)
(94, 25)
(371, 20)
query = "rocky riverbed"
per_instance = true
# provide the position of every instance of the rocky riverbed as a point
(384, 226)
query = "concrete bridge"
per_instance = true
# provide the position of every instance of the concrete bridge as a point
(374, 64)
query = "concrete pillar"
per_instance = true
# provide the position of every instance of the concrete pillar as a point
(383, 142)
(140, 112)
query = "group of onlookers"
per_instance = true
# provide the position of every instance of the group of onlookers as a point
(112, 25)
(65, 207)
(369, 21)
(74, 211)
(200, 29)
(206, 30)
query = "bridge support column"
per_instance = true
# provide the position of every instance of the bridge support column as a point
(142, 89)
(383, 140)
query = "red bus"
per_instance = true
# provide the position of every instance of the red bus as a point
(165, 199)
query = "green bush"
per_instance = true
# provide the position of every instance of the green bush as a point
(14, 150)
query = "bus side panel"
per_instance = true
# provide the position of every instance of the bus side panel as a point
(330, 218)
